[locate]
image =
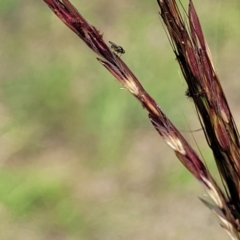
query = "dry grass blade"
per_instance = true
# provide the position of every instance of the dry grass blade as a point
(186, 51)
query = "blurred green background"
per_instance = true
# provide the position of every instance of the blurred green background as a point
(79, 158)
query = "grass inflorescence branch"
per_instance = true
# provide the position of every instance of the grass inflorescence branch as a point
(194, 58)
(204, 87)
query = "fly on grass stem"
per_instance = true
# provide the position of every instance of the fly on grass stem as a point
(188, 94)
(116, 48)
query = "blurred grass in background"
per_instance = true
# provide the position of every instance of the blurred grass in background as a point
(79, 159)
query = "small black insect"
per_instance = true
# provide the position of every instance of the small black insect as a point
(116, 48)
(190, 95)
